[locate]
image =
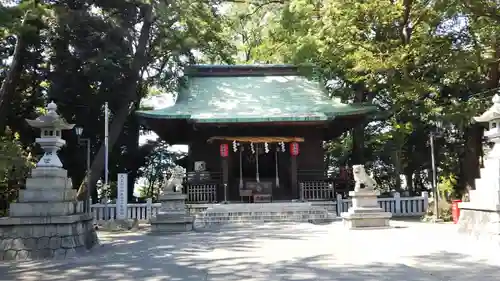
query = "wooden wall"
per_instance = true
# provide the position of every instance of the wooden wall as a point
(311, 155)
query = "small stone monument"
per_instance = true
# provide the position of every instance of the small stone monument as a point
(47, 222)
(172, 217)
(365, 211)
(481, 216)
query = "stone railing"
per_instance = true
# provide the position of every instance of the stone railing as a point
(398, 206)
(140, 211)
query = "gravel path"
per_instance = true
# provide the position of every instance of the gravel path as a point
(410, 251)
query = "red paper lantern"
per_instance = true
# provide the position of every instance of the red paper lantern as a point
(224, 150)
(294, 149)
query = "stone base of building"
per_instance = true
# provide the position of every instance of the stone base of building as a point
(166, 223)
(479, 221)
(25, 238)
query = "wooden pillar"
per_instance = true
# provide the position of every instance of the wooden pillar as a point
(225, 178)
(293, 177)
(224, 154)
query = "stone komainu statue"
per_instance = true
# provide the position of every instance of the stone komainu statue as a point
(362, 178)
(174, 183)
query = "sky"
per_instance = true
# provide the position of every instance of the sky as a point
(159, 102)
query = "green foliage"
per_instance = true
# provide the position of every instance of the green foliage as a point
(158, 162)
(444, 209)
(79, 54)
(15, 164)
(447, 186)
(429, 63)
(420, 63)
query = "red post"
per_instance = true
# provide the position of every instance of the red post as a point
(455, 211)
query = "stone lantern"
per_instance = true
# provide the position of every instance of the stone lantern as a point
(481, 216)
(47, 221)
(492, 118)
(50, 140)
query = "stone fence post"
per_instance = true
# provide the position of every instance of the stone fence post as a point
(425, 196)
(397, 203)
(340, 205)
(149, 209)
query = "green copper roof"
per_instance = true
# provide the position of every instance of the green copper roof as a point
(239, 97)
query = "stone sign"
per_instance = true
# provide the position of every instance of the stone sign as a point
(121, 201)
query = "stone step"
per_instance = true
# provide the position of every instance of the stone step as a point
(44, 209)
(262, 213)
(47, 194)
(488, 183)
(46, 182)
(365, 210)
(490, 197)
(49, 172)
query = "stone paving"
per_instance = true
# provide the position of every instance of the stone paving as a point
(411, 251)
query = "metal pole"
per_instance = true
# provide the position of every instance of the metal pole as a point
(89, 190)
(106, 164)
(225, 193)
(434, 177)
(106, 129)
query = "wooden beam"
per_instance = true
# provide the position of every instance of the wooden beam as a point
(316, 123)
(258, 139)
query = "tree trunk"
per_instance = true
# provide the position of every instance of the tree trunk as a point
(358, 135)
(397, 168)
(409, 182)
(132, 151)
(130, 98)
(473, 150)
(8, 87)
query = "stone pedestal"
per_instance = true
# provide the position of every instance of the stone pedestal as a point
(172, 217)
(481, 216)
(46, 222)
(365, 211)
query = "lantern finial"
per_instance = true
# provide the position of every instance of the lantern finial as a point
(51, 107)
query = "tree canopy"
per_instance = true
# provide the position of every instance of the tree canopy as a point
(429, 65)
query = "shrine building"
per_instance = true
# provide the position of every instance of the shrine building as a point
(255, 132)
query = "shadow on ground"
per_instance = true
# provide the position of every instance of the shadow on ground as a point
(458, 267)
(231, 254)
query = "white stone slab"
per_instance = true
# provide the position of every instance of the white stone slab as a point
(258, 213)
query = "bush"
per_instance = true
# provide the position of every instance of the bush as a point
(444, 209)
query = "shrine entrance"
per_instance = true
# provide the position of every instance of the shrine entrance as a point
(260, 172)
